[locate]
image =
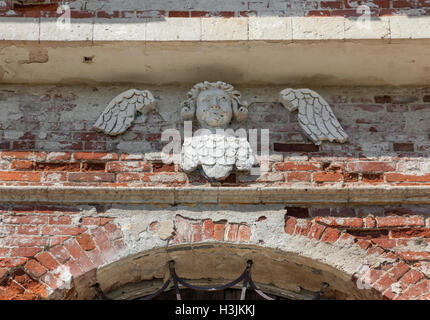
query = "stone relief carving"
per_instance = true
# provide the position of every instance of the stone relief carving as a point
(316, 118)
(217, 106)
(121, 111)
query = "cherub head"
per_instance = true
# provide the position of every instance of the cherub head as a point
(214, 104)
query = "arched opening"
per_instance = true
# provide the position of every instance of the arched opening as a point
(280, 274)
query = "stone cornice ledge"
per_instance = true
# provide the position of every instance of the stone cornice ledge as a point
(372, 195)
(215, 29)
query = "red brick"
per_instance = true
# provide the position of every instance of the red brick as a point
(331, 235)
(91, 177)
(321, 177)
(74, 268)
(79, 255)
(35, 268)
(369, 222)
(395, 221)
(56, 240)
(60, 220)
(298, 177)
(22, 165)
(24, 155)
(47, 260)
(12, 262)
(93, 166)
(316, 231)
(244, 233)
(128, 157)
(96, 256)
(196, 234)
(26, 241)
(298, 166)
(112, 231)
(372, 178)
(59, 230)
(412, 277)
(208, 229)
(95, 221)
(399, 177)
(58, 167)
(371, 166)
(331, 4)
(26, 219)
(57, 209)
(415, 256)
(25, 252)
(13, 291)
(290, 225)
(128, 166)
(410, 233)
(219, 229)
(297, 212)
(20, 176)
(179, 14)
(3, 274)
(4, 252)
(54, 177)
(385, 282)
(385, 243)
(31, 230)
(340, 222)
(161, 167)
(59, 156)
(416, 290)
(101, 156)
(303, 227)
(232, 230)
(101, 239)
(128, 177)
(85, 241)
(199, 14)
(22, 209)
(60, 253)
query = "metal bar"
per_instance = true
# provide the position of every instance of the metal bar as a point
(158, 292)
(261, 293)
(175, 279)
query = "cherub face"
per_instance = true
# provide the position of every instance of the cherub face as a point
(214, 109)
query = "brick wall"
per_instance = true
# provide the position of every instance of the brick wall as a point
(47, 138)
(227, 9)
(45, 249)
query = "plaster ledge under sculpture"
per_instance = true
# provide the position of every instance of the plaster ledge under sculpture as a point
(217, 105)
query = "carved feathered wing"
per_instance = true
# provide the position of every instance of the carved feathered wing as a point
(316, 118)
(121, 111)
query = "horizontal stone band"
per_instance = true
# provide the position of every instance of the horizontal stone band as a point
(215, 29)
(332, 196)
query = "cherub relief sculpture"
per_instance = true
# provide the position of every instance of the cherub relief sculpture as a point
(217, 106)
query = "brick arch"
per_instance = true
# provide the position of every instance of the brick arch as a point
(71, 252)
